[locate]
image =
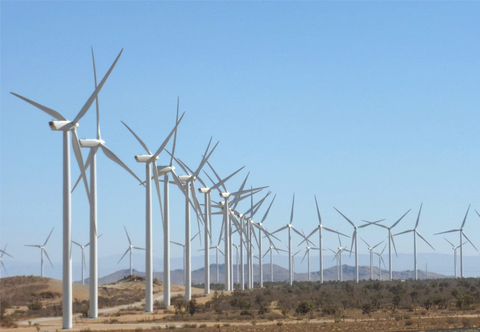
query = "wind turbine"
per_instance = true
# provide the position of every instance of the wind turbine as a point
(94, 145)
(42, 250)
(355, 240)
(129, 249)
(208, 222)
(65, 126)
(84, 266)
(307, 253)
(149, 159)
(261, 229)
(415, 233)
(338, 256)
(188, 185)
(462, 234)
(319, 228)
(217, 249)
(380, 261)
(227, 224)
(454, 248)
(184, 254)
(270, 250)
(390, 241)
(370, 249)
(4, 252)
(290, 227)
(293, 263)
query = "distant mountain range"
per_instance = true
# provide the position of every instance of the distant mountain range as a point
(279, 274)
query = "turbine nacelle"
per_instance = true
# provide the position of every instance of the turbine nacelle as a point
(225, 195)
(203, 190)
(144, 158)
(186, 178)
(91, 143)
(62, 125)
(165, 169)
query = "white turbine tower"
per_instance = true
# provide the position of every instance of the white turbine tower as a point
(380, 261)
(4, 252)
(390, 241)
(270, 250)
(184, 253)
(94, 145)
(129, 249)
(65, 126)
(454, 248)
(149, 159)
(217, 249)
(355, 240)
(293, 264)
(42, 250)
(319, 228)
(290, 227)
(415, 233)
(462, 234)
(84, 265)
(307, 254)
(370, 249)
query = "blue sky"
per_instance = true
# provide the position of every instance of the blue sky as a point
(372, 106)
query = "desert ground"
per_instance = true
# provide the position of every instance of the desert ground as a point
(34, 304)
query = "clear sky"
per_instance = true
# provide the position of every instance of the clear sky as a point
(372, 106)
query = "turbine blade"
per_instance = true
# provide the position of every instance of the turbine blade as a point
(96, 99)
(48, 238)
(404, 232)
(378, 244)
(117, 160)
(123, 255)
(418, 217)
(334, 231)
(78, 244)
(3, 265)
(87, 164)
(220, 183)
(218, 177)
(396, 223)
(351, 222)
(279, 230)
(465, 218)
(241, 189)
(138, 138)
(293, 205)
(46, 254)
(318, 211)
(157, 188)
(175, 135)
(95, 92)
(268, 210)
(128, 236)
(49, 111)
(450, 231)
(394, 247)
(449, 242)
(424, 239)
(165, 142)
(79, 158)
(366, 243)
(469, 240)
